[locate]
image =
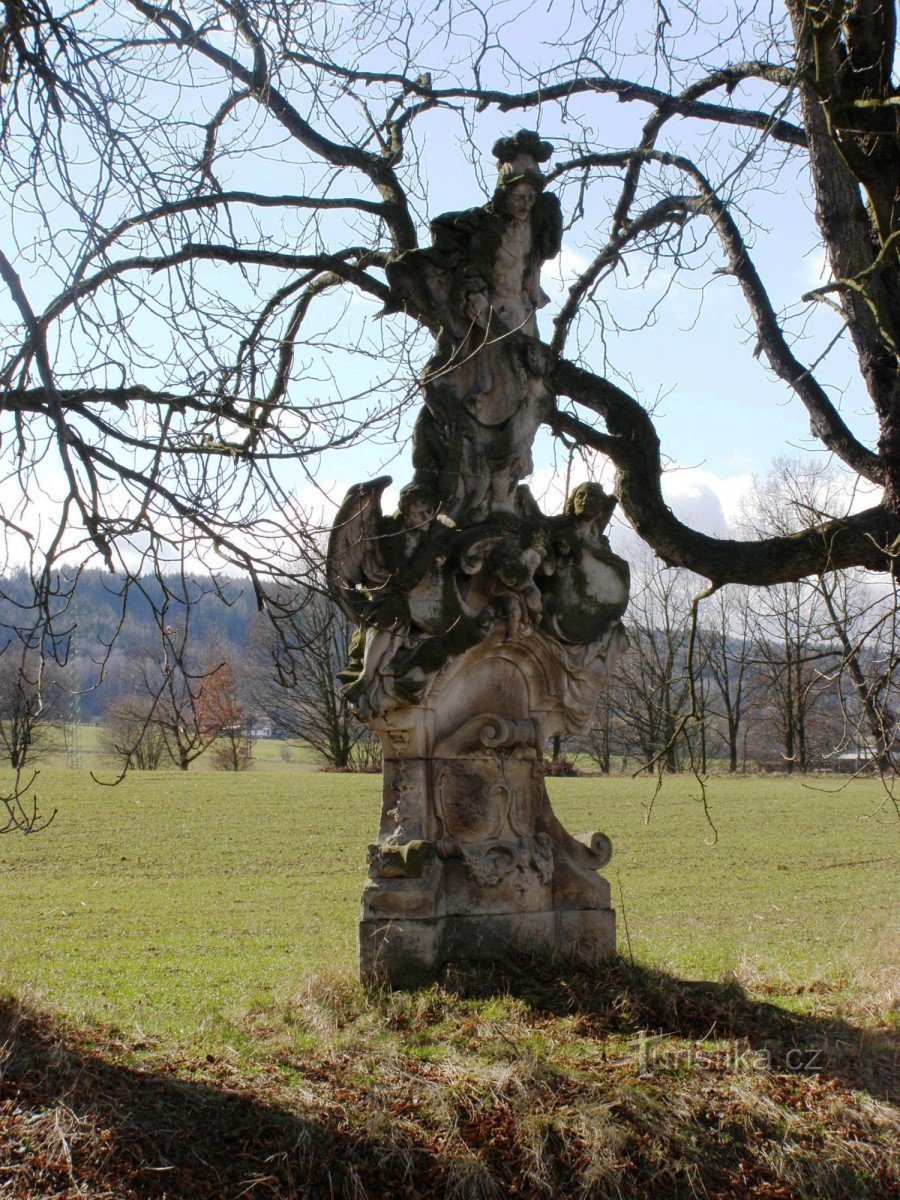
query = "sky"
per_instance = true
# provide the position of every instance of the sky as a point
(679, 342)
(721, 414)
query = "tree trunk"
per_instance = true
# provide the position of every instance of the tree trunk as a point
(880, 721)
(802, 758)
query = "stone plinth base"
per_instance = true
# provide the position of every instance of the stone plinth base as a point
(409, 952)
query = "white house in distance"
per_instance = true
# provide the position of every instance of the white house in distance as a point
(863, 757)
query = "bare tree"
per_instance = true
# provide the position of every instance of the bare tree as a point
(864, 621)
(813, 632)
(189, 725)
(184, 322)
(181, 687)
(792, 661)
(296, 684)
(232, 749)
(29, 704)
(728, 634)
(131, 734)
(653, 693)
(598, 741)
(791, 656)
(856, 613)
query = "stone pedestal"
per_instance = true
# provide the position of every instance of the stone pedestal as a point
(471, 864)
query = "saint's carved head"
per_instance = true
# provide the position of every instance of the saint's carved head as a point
(519, 158)
(417, 505)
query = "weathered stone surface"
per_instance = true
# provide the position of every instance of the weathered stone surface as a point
(407, 953)
(485, 626)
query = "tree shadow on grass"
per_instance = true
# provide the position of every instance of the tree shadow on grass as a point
(74, 1122)
(77, 1121)
(639, 1001)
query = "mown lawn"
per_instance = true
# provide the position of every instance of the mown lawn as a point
(173, 901)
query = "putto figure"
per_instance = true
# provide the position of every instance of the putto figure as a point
(591, 583)
(485, 627)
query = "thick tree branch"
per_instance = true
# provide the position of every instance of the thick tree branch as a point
(34, 400)
(863, 539)
(825, 421)
(625, 90)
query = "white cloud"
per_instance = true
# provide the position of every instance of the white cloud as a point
(709, 502)
(815, 270)
(699, 497)
(561, 272)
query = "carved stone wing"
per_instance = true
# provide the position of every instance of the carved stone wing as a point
(354, 552)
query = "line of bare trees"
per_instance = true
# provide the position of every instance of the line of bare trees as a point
(779, 680)
(173, 713)
(797, 676)
(184, 690)
(189, 696)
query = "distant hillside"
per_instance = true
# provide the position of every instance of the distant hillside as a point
(99, 643)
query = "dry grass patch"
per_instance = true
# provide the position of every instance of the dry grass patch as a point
(633, 1084)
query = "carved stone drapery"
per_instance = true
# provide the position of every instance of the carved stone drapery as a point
(484, 626)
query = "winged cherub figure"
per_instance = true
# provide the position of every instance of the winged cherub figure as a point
(376, 567)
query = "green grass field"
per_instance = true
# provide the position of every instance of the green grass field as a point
(173, 901)
(181, 1020)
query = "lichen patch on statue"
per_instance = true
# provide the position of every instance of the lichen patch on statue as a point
(475, 610)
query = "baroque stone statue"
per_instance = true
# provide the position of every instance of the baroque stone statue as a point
(483, 388)
(484, 627)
